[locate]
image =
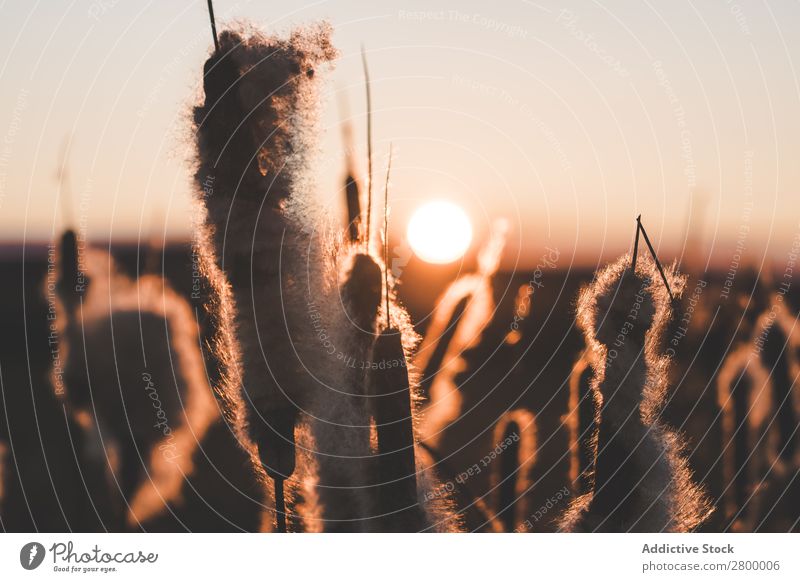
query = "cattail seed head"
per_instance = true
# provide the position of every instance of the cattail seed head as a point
(641, 480)
(361, 292)
(398, 508)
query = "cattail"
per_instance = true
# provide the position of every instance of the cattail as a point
(515, 432)
(361, 292)
(52, 479)
(295, 326)
(258, 92)
(515, 438)
(461, 315)
(745, 399)
(344, 486)
(342, 428)
(410, 496)
(506, 474)
(405, 499)
(641, 482)
(221, 353)
(298, 332)
(351, 191)
(132, 365)
(582, 410)
(353, 207)
(776, 328)
(70, 286)
(447, 315)
(760, 426)
(171, 460)
(398, 508)
(476, 293)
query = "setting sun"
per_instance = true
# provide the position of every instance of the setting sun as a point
(439, 232)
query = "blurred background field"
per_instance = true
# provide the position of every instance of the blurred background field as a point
(532, 373)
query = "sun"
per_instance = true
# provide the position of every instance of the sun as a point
(439, 232)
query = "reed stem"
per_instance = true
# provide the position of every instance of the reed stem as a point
(386, 236)
(369, 149)
(636, 242)
(213, 24)
(655, 258)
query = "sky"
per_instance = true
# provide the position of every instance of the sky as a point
(567, 119)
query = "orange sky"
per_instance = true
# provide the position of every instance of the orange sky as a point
(567, 118)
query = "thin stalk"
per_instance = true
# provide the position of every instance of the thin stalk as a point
(351, 190)
(213, 24)
(64, 190)
(636, 242)
(655, 258)
(386, 236)
(369, 147)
